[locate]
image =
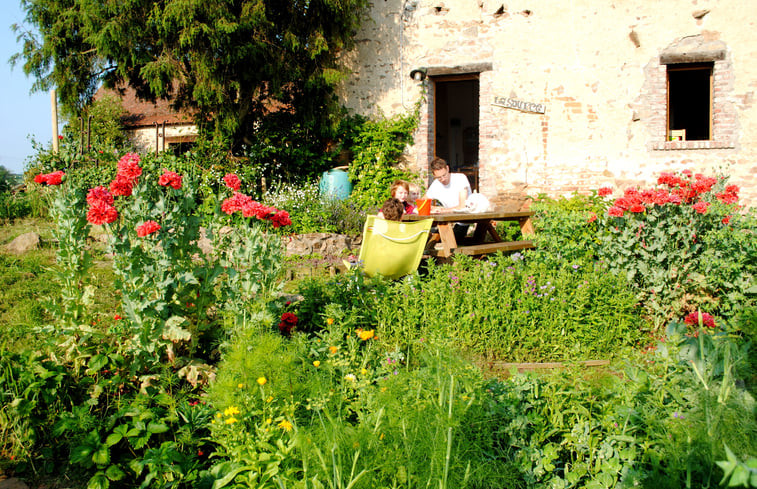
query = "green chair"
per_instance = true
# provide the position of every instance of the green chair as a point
(392, 249)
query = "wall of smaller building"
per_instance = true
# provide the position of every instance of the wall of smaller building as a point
(596, 69)
(146, 139)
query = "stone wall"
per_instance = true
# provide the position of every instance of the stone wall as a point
(596, 69)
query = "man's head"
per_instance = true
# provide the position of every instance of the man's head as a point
(440, 169)
(392, 209)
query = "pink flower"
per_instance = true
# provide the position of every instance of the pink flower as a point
(605, 191)
(615, 211)
(232, 181)
(637, 208)
(592, 217)
(99, 194)
(701, 206)
(147, 228)
(170, 179)
(101, 213)
(122, 186)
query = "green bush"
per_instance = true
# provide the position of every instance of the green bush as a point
(516, 309)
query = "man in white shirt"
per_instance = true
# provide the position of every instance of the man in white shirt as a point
(451, 190)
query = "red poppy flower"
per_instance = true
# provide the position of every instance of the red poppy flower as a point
(101, 213)
(122, 186)
(232, 181)
(604, 191)
(99, 194)
(693, 319)
(281, 218)
(701, 207)
(170, 179)
(615, 211)
(148, 227)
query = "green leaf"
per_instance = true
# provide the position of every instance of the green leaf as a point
(98, 481)
(101, 456)
(173, 332)
(156, 427)
(114, 473)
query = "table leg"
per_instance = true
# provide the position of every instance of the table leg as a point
(484, 227)
(449, 242)
(526, 227)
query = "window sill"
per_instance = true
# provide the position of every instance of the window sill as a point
(683, 145)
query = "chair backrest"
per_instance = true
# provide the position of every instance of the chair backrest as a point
(392, 248)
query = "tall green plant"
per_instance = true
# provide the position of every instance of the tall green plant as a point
(377, 148)
(659, 237)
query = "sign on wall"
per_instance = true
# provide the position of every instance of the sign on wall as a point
(511, 103)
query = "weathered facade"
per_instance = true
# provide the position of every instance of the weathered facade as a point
(154, 126)
(562, 96)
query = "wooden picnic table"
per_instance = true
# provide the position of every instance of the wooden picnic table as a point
(485, 228)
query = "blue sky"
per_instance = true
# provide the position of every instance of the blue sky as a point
(22, 115)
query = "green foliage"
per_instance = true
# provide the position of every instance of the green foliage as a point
(516, 309)
(102, 128)
(377, 146)
(683, 244)
(312, 213)
(566, 227)
(14, 205)
(228, 62)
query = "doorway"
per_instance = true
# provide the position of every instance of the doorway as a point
(456, 100)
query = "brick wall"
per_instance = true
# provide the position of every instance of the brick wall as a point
(594, 65)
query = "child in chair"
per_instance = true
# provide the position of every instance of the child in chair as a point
(392, 210)
(400, 190)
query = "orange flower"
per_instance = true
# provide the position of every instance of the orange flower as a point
(365, 335)
(333, 349)
(330, 321)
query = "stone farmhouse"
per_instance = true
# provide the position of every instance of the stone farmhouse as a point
(555, 96)
(153, 126)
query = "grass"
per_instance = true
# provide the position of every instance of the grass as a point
(28, 283)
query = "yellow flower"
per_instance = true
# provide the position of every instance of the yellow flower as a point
(230, 420)
(333, 349)
(239, 386)
(350, 377)
(316, 363)
(365, 335)
(218, 415)
(270, 398)
(262, 380)
(285, 425)
(363, 371)
(268, 421)
(330, 321)
(230, 411)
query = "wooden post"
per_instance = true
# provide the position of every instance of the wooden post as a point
(54, 109)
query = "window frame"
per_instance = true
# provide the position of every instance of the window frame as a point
(681, 67)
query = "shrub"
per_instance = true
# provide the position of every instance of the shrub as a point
(516, 308)
(660, 238)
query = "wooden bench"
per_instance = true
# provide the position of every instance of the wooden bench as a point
(486, 248)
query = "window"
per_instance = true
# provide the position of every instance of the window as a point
(690, 102)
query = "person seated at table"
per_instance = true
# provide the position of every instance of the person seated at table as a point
(414, 192)
(451, 190)
(392, 210)
(400, 190)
